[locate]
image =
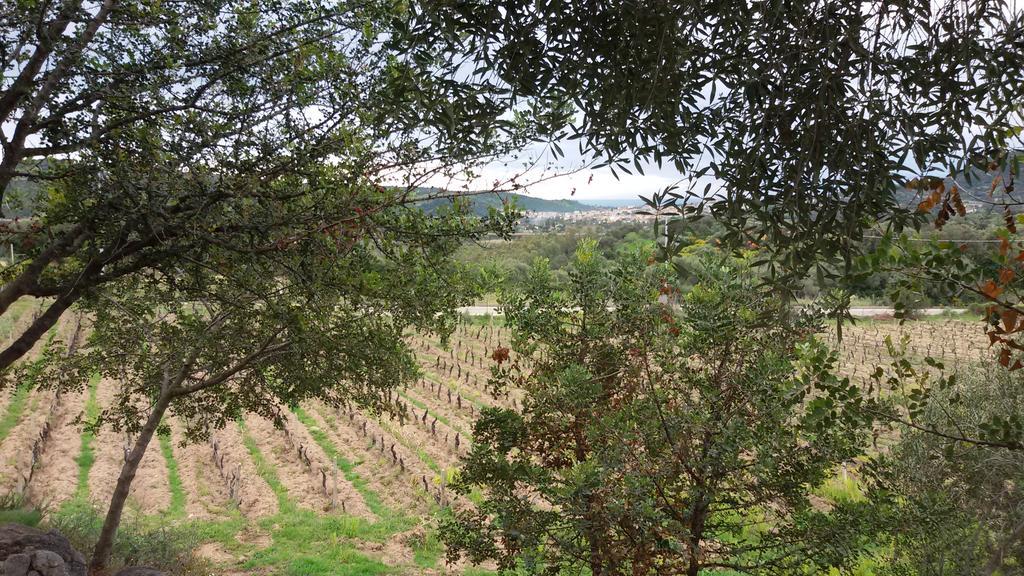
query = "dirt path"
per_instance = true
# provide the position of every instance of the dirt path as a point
(150, 492)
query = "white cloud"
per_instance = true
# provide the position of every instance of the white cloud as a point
(583, 184)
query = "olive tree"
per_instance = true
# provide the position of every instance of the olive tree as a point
(794, 123)
(942, 506)
(319, 315)
(134, 134)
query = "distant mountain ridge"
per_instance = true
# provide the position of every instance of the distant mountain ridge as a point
(482, 202)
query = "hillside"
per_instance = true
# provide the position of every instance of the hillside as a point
(481, 203)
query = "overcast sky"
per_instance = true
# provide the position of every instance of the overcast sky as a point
(569, 177)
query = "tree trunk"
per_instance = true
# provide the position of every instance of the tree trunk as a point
(101, 554)
(15, 350)
(699, 515)
(596, 566)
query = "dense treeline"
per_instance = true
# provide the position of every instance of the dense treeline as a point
(975, 235)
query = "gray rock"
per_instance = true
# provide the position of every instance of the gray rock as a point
(20, 539)
(140, 571)
(48, 563)
(33, 573)
(17, 565)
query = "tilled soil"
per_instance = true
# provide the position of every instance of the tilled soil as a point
(56, 478)
(396, 489)
(150, 491)
(256, 497)
(341, 492)
(282, 454)
(206, 496)
(16, 449)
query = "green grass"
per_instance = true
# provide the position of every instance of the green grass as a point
(427, 550)
(841, 488)
(16, 508)
(326, 560)
(473, 571)
(308, 544)
(266, 470)
(14, 312)
(86, 455)
(140, 540)
(177, 506)
(26, 516)
(15, 408)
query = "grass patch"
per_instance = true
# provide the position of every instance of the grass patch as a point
(86, 455)
(222, 531)
(427, 550)
(473, 571)
(266, 470)
(841, 488)
(15, 508)
(334, 559)
(14, 313)
(138, 543)
(308, 544)
(177, 506)
(15, 407)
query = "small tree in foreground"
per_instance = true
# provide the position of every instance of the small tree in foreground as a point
(316, 315)
(655, 440)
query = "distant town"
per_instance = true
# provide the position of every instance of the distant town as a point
(552, 220)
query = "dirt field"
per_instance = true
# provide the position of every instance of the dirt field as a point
(348, 491)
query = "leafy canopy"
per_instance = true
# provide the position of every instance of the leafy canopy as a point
(143, 136)
(793, 122)
(653, 440)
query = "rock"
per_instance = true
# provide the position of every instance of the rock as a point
(17, 565)
(49, 563)
(19, 539)
(139, 571)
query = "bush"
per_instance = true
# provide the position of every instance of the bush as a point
(953, 507)
(165, 548)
